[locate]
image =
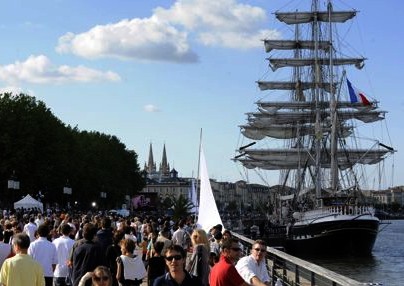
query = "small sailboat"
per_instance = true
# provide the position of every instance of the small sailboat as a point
(208, 213)
(309, 138)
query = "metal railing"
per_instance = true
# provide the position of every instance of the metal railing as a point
(295, 271)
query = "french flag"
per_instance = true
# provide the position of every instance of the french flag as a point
(356, 95)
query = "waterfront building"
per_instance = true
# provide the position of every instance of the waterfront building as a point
(389, 196)
(165, 182)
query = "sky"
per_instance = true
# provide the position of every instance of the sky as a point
(159, 72)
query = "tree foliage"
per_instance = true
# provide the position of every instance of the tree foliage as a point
(46, 155)
(182, 207)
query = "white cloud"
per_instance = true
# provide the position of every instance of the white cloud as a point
(223, 23)
(142, 39)
(165, 35)
(40, 70)
(151, 108)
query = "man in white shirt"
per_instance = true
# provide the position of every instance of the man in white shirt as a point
(64, 245)
(179, 235)
(253, 267)
(39, 220)
(43, 251)
(30, 228)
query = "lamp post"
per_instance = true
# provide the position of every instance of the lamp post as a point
(14, 185)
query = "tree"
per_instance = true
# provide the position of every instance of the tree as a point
(45, 154)
(181, 207)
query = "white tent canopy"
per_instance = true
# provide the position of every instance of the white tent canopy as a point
(28, 202)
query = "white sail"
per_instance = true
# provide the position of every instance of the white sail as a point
(208, 213)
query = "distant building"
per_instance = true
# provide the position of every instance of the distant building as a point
(164, 182)
(391, 195)
(167, 183)
(150, 169)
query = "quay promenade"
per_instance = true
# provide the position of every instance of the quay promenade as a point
(294, 271)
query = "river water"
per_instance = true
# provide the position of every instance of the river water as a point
(385, 266)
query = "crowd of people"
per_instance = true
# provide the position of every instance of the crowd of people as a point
(64, 249)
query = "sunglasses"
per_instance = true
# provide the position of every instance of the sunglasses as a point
(176, 257)
(102, 278)
(235, 248)
(260, 249)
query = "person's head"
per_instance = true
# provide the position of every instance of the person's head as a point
(165, 232)
(101, 276)
(226, 234)
(89, 231)
(218, 236)
(199, 236)
(21, 242)
(118, 236)
(158, 246)
(43, 230)
(213, 259)
(259, 249)
(65, 229)
(128, 246)
(106, 222)
(175, 257)
(231, 248)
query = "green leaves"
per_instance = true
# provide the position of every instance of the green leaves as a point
(45, 153)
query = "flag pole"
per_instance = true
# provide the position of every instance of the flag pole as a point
(198, 178)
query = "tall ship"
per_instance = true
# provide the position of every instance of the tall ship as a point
(307, 129)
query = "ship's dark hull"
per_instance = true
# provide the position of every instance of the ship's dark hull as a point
(340, 237)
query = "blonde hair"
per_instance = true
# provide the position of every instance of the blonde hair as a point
(199, 236)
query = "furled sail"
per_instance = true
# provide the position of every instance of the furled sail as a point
(260, 119)
(276, 63)
(290, 85)
(293, 45)
(288, 131)
(275, 159)
(307, 17)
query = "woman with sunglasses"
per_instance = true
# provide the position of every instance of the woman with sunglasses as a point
(176, 275)
(101, 276)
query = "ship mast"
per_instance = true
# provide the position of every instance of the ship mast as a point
(318, 132)
(333, 108)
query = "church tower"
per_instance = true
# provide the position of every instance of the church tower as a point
(164, 166)
(150, 167)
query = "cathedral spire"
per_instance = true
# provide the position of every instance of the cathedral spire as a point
(165, 168)
(151, 166)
